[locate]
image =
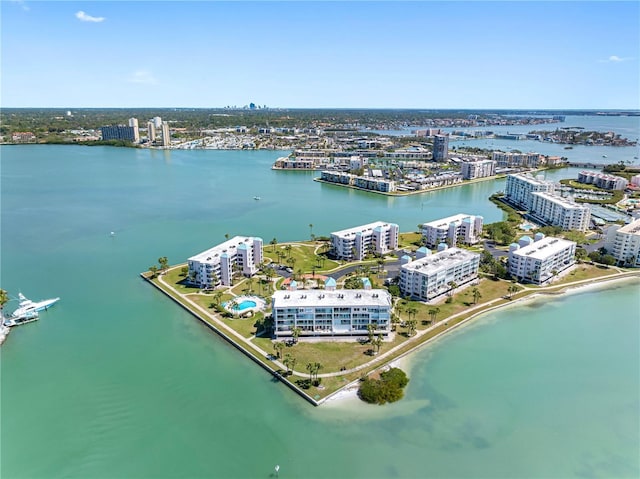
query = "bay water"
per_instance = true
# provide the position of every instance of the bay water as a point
(116, 381)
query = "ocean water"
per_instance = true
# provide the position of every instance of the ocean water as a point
(115, 381)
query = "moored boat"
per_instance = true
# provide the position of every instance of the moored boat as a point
(26, 306)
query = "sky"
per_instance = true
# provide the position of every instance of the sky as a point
(335, 54)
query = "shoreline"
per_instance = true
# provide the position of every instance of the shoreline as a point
(397, 356)
(349, 393)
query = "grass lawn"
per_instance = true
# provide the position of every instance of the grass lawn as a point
(409, 240)
(303, 254)
(173, 277)
(584, 271)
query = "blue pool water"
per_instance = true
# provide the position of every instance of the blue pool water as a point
(245, 304)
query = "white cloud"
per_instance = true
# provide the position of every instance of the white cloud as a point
(143, 76)
(616, 59)
(84, 17)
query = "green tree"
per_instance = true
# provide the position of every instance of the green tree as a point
(378, 343)
(164, 263)
(278, 346)
(311, 231)
(452, 285)
(273, 244)
(371, 330)
(295, 334)
(4, 299)
(217, 297)
(476, 295)
(411, 327)
(184, 271)
(154, 271)
(288, 249)
(289, 362)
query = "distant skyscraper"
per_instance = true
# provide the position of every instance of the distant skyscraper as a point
(118, 132)
(157, 121)
(151, 131)
(440, 147)
(133, 123)
(166, 136)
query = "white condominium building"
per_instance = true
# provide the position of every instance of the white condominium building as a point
(355, 243)
(452, 230)
(602, 180)
(217, 265)
(526, 160)
(133, 123)
(166, 134)
(623, 243)
(539, 261)
(520, 187)
(558, 211)
(431, 276)
(344, 312)
(478, 169)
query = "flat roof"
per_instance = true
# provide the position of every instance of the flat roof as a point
(439, 261)
(632, 228)
(363, 228)
(561, 200)
(446, 221)
(543, 248)
(331, 299)
(217, 250)
(529, 179)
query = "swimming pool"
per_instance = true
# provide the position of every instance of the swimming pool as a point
(241, 306)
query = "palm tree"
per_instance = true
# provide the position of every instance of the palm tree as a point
(295, 333)
(378, 343)
(288, 361)
(411, 311)
(311, 369)
(226, 236)
(311, 231)
(476, 295)
(154, 271)
(250, 285)
(453, 285)
(273, 244)
(316, 368)
(411, 327)
(288, 248)
(278, 345)
(217, 296)
(280, 256)
(380, 262)
(164, 263)
(371, 329)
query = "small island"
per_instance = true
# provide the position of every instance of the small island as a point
(580, 136)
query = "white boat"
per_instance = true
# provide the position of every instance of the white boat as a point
(27, 307)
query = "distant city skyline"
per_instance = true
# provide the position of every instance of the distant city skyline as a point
(428, 55)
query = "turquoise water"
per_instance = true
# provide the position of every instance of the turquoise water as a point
(242, 305)
(118, 382)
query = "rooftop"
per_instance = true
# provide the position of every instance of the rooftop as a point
(338, 298)
(227, 247)
(560, 200)
(361, 229)
(445, 222)
(543, 248)
(440, 261)
(632, 228)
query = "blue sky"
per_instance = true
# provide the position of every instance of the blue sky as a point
(321, 54)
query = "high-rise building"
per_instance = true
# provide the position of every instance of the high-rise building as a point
(440, 147)
(118, 132)
(151, 131)
(157, 121)
(478, 169)
(166, 136)
(558, 211)
(520, 187)
(133, 123)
